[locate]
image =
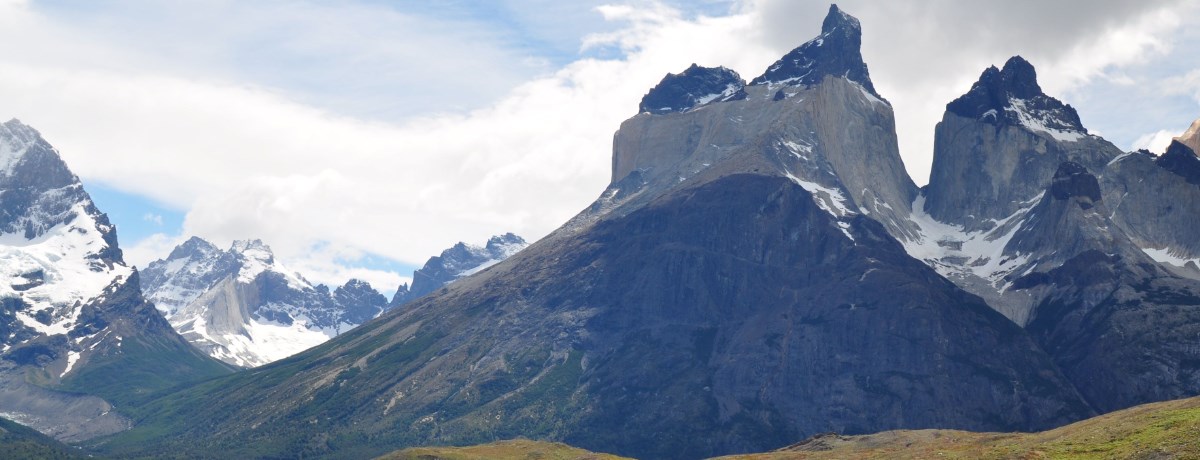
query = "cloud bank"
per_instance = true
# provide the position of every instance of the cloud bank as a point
(248, 153)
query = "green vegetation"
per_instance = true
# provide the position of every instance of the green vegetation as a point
(1160, 430)
(20, 442)
(141, 370)
(517, 449)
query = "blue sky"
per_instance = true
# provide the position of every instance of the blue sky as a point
(358, 138)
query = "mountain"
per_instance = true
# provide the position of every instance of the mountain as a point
(247, 309)
(76, 336)
(459, 261)
(1085, 246)
(736, 287)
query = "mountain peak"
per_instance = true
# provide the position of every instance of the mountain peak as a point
(1011, 96)
(836, 52)
(1191, 137)
(694, 87)
(1181, 160)
(194, 246)
(836, 18)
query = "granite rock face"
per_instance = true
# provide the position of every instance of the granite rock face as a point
(1083, 245)
(1155, 203)
(997, 147)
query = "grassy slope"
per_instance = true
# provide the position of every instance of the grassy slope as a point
(517, 449)
(1160, 430)
(20, 442)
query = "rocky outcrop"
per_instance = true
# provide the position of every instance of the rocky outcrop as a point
(693, 88)
(997, 147)
(835, 53)
(1191, 137)
(1154, 202)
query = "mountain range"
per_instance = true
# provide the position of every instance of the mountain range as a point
(760, 269)
(246, 308)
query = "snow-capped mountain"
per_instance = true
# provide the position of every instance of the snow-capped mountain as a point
(736, 283)
(1092, 250)
(244, 307)
(459, 261)
(69, 305)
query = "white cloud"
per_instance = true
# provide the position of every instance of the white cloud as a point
(153, 218)
(1156, 142)
(156, 246)
(248, 160)
(1183, 85)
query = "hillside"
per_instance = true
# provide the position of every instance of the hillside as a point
(517, 449)
(20, 442)
(1168, 429)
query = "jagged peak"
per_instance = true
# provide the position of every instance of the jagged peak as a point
(836, 18)
(1182, 161)
(1191, 137)
(250, 245)
(1072, 180)
(1011, 96)
(194, 246)
(836, 52)
(694, 87)
(356, 284)
(505, 240)
(15, 140)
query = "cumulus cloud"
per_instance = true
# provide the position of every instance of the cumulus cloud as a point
(1156, 142)
(322, 187)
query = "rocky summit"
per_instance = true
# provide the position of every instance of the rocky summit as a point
(835, 53)
(693, 87)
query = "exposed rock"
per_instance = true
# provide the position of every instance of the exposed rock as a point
(1182, 161)
(998, 146)
(459, 261)
(1191, 137)
(692, 88)
(834, 53)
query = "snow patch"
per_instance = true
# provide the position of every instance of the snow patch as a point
(58, 271)
(1017, 106)
(829, 199)
(72, 358)
(954, 252)
(1170, 256)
